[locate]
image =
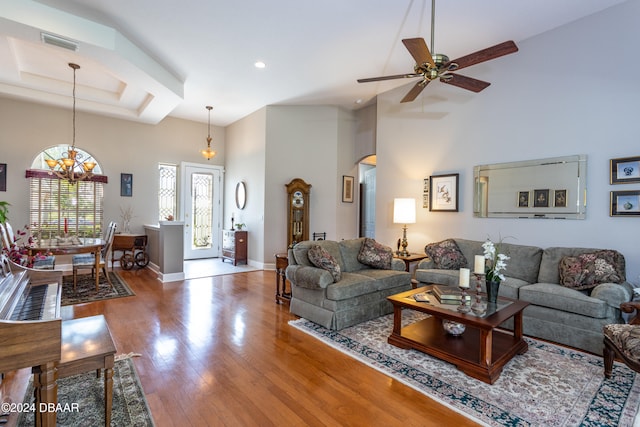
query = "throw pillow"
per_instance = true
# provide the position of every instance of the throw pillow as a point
(586, 271)
(446, 255)
(321, 258)
(375, 254)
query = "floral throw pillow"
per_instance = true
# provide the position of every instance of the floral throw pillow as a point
(446, 255)
(588, 270)
(321, 258)
(375, 254)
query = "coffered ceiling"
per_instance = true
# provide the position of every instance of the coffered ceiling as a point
(144, 60)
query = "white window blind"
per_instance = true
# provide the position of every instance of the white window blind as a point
(53, 201)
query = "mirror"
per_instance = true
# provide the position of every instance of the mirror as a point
(241, 195)
(544, 188)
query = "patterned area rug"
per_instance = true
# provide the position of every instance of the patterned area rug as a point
(547, 386)
(130, 407)
(86, 289)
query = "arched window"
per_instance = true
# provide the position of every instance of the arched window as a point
(57, 207)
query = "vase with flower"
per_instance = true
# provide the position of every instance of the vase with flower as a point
(496, 262)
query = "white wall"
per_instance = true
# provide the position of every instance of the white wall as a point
(120, 146)
(572, 90)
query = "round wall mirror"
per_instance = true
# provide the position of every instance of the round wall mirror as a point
(241, 195)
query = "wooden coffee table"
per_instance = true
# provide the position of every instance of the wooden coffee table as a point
(480, 352)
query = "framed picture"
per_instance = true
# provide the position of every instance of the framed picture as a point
(443, 193)
(560, 198)
(625, 203)
(541, 198)
(624, 170)
(347, 189)
(126, 185)
(523, 199)
(3, 177)
(425, 194)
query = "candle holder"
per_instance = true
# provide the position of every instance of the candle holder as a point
(463, 307)
(478, 307)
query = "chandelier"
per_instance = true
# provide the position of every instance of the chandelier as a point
(208, 153)
(69, 167)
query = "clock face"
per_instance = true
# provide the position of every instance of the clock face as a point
(298, 199)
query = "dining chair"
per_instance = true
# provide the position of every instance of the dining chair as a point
(40, 262)
(88, 261)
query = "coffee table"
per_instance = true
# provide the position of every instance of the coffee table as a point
(480, 352)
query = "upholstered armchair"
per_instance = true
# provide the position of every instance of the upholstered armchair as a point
(623, 340)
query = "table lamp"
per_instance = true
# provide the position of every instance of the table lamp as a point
(404, 212)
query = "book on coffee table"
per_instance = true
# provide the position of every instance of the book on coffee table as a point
(449, 295)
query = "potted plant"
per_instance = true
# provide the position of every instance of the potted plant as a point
(239, 226)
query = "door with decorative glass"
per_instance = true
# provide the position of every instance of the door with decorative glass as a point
(201, 207)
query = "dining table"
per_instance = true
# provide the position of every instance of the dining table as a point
(70, 245)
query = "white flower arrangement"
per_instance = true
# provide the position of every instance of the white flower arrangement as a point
(496, 261)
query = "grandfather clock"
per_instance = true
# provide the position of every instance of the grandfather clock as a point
(298, 211)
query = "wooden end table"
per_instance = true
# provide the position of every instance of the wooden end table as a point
(480, 352)
(414, 257)
(282, 261)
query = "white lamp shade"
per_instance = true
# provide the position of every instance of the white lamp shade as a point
(404, 211)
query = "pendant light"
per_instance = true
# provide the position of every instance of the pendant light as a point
(208, 153)
(69, 167)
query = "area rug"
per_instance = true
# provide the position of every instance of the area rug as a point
(86, 289)
(549, 385)
(130, 407)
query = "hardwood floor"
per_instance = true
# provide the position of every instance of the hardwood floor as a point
(218, 351)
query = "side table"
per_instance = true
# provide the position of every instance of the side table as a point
(282, 261)
(415, 257)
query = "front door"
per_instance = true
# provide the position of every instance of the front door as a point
(201, 206)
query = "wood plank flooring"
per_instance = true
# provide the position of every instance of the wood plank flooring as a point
(218, 351)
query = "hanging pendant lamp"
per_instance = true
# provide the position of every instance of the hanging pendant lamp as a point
(69, 167)
(208, 153)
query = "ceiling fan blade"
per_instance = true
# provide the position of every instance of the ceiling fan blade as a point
(397, 76)
(464, 82)
(419, 50)
(415, 91)
(492, 52)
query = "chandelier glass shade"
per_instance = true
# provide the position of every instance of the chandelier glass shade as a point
(70, 166)
(208, 153)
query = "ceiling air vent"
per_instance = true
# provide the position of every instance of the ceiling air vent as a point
(59, 41)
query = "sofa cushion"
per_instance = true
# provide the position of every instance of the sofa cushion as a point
(375, 254)
(551, 257)
(588, 270)
(301, 257)
(558, 297)
(446, 255)
(524, 261)
(321, 258)
(351, 285)
(349, 250)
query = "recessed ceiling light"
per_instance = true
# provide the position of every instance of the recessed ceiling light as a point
(260, 64)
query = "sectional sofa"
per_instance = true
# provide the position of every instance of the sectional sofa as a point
(568, 304)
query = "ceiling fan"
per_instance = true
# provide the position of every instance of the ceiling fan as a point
(433, 66)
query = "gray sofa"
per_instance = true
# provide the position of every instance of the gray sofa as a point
(360, 295)
(556, 313)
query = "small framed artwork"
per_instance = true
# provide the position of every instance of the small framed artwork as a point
(560, 198)
(443, 193)
(3, 177)
(126, 185)
(425, 193)
(624, 170)
(523, 199)
(347, 189)
(625, 203)
(541, 198)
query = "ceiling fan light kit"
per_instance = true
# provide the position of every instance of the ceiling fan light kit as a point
(431, 66)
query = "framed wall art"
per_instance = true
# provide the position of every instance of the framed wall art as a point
(523, 199)
(541, 198)
(560, 198)
(624, 170)
(3, 177)
(126, 185)
(443, 193)
(625, 203)
(347, 189)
